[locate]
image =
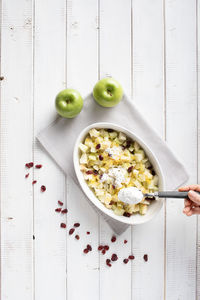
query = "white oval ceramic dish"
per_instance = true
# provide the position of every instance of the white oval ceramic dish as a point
(135, 219)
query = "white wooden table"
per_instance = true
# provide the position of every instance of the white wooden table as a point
(151, 47)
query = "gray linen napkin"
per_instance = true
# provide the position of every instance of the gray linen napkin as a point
(59, 139)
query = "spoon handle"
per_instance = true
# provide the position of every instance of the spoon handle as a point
(174, 194)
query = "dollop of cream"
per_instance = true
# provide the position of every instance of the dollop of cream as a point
(130, 195)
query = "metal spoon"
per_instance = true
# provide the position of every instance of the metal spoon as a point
(168, 194)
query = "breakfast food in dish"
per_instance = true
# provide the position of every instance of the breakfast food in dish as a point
(111, 161)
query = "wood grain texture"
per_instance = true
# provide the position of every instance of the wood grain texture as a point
(148, 95)
(115, 61)
(16, 150)
(82, 62)
(50, 248)
(181, 96)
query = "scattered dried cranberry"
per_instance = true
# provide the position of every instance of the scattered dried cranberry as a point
(34, 182)
(86, 251)
(95, 172)
(60, 203)
(38, 166)
(63, 225)
(103, 251)
(106, 247)
(130, 169)
(126, 214)
(112, 202)
(113, 239)
(108, 262)
(43, 188)
(58, 209)
(145, 257)
(125, 260)
(110, 130)
(100, 247)
(89, 172)
(29, 165)
(131, 257)
(71, 231)
(98, 146)
(76, 224)
(114, 257)
(88, 232)
(64, 211)
(125, 241)
(113, 186)
(77, 237)
(100, 157)
(89, 247)
(26, 176)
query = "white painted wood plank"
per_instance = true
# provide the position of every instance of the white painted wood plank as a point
(16, 150)
(82, 62)
(49, 79)
(115, 61)
(148, 95)
(181, 133)
(198, 145)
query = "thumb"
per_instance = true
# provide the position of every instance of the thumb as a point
(194, 197)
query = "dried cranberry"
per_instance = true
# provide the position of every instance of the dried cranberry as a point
(86, 251)
(76, 224)
(131, 257)
(113, 239)
(98, 146)
(100, 247)
(29, 165)
(43, 188)
(34, 182)
(38, 166)
(126, 214)
(95, 172)
(64, 211)
(130, 169)
(110, 130)
(103, 251)
(89, 247)
(71, 231)
(60, 203)
(106, 247)
(113, 186)
(58, 209)
(77, 237)
(88, 232)
(125, 241)
(26, 176)
(145, 257)
(108, 262)
(114, 257)
(125, 260)
(112, 202)
(100, 157)
(153, 172)
(63, 225)
(89, 172)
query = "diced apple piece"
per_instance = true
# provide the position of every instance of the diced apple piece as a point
(122, 137)
(83, 159)
(94, 133)
(92, 157)
(113, 135)
(83, 147)
(143, 208)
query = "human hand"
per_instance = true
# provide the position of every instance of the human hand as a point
(192, 205)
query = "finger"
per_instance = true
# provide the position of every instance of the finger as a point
(187, 202)
(189, 213)
(195, 210)
(194, 197)
(194, 187)
(184, 188)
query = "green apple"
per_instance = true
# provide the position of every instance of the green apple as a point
(69, 103)
(108, 92)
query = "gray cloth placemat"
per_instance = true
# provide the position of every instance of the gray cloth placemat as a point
(59, 139)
